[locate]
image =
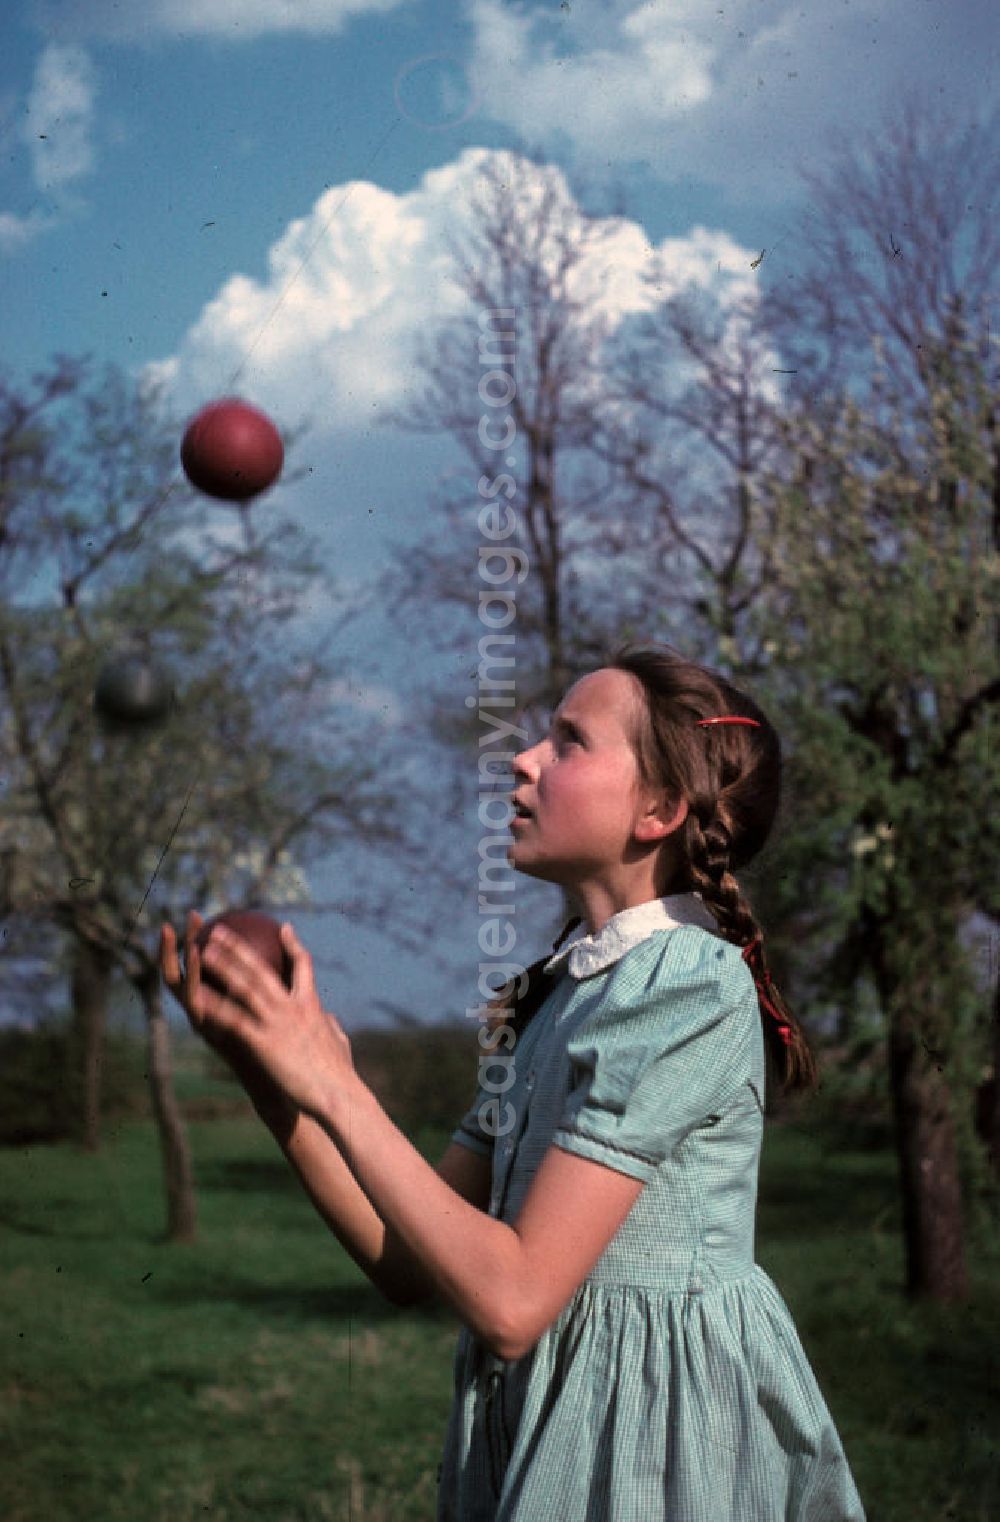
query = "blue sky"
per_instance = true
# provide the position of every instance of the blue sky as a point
(259, 191)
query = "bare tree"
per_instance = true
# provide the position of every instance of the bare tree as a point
(895, 259)
(641, 411)
(516, 383)
(694, 428)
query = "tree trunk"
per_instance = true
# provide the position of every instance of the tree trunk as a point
(90, 981)
(175, 1152)
(988, 1095)
(927, 1152)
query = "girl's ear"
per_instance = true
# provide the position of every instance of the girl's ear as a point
(661, 819)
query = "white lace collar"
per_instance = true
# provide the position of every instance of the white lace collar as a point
(586, 954)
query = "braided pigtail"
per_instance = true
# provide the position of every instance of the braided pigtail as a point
(721, 894)
(701, 739)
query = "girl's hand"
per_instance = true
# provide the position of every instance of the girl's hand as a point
(300, 1052)
(274, 1108)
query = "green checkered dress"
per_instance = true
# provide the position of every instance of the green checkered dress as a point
(672, 1387)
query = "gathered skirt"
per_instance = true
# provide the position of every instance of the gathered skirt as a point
(644, 1406)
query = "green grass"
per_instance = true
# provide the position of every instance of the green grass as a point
(913, 1387)
(257, 1375)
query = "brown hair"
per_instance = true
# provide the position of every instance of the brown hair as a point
(730, 775)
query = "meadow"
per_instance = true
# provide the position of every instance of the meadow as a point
(257, 1375)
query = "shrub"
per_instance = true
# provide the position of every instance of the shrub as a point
(41, 1083)
(421, 1075)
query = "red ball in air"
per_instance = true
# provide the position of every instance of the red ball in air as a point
(231, 450)
(260, 931)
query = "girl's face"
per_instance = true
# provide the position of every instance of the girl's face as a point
(588, 822)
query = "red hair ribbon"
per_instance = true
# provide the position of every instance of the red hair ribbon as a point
(730, 718)
(762, 978)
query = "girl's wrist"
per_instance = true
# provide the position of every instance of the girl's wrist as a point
(340, 1102)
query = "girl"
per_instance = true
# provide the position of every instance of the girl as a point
(621, 1359)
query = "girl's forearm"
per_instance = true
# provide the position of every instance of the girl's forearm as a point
(473, 1260)
(350, 1215)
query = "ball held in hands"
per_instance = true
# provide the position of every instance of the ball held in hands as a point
(260, 931)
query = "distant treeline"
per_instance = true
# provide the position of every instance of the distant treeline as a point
(424, 1076)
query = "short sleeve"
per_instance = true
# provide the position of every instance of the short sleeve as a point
(479, 1125)
(667, 1046)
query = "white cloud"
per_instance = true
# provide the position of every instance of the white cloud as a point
(252, 18)
(322, 335)
(655, 68)
(17, 231)
(234, 20)
(57, 131)
(331, 334)
(59, 118)
(740, 94)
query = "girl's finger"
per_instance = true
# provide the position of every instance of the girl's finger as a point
(169, 963)
(199, 1000)
(192, 925)
(213, 1016)
(303, 978)
(217, 1020)
(246, 976)
(174, 975)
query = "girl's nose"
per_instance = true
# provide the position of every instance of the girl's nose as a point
(523, 763)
